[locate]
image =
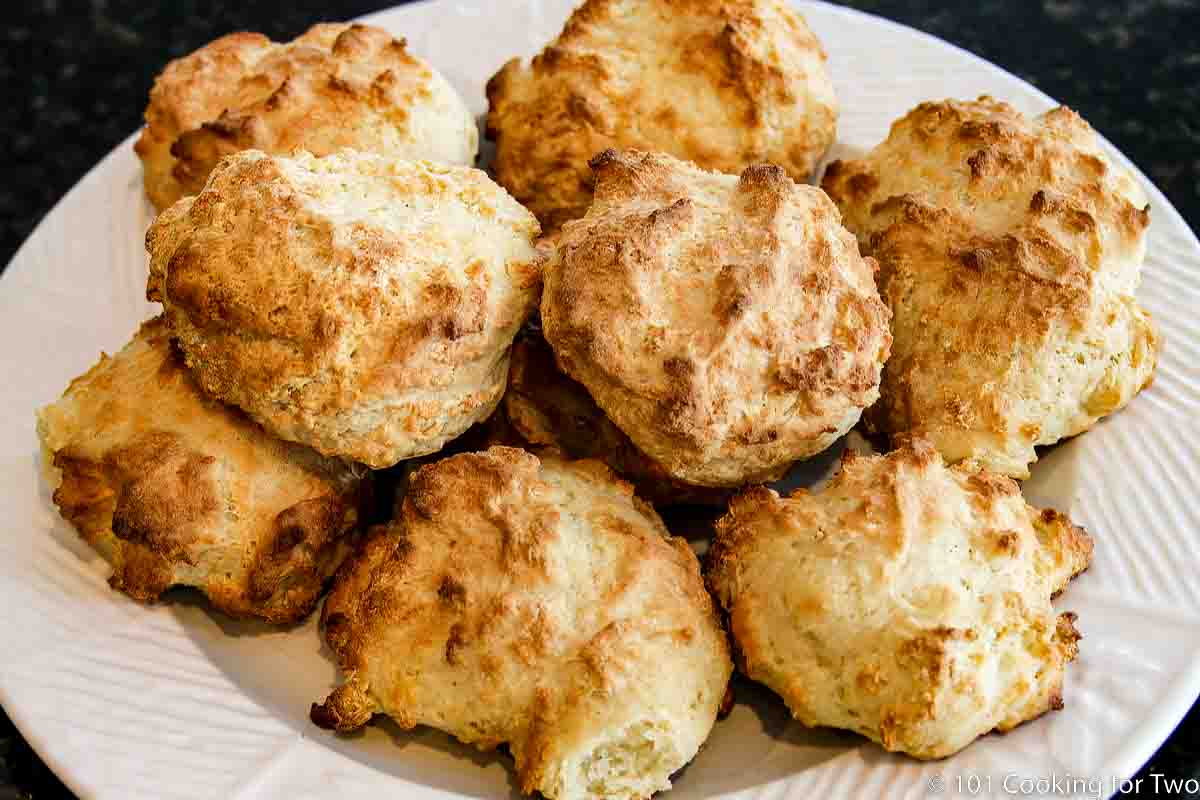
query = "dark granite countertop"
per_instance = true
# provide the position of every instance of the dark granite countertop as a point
(76, 77)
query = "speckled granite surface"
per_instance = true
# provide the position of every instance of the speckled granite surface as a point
(76, 75)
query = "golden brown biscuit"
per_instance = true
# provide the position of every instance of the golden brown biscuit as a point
(538, 603)
(361, 305)
(723, 83)
(1010, 250)
(337, 86)
(727, 325)
(544, 409)
(907, 601)
(174, 488)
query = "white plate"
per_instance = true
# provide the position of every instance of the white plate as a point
(128, 701)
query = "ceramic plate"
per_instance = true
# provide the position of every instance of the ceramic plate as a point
(127, 701)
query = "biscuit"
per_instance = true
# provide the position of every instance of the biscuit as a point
(536, 602)
(337, 86)
(726, 324)
(907, 601)
(1010, 250)
(724, 84)
(175, 489)
(361, 305)
(544, 409)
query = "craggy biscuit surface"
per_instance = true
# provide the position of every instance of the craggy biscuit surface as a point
(907, 600)
(723, 83)
(1010, 250)
(538, 603)
(727, 324)
(337, 86)
(361, 305)
(174, 488)
(543, 408)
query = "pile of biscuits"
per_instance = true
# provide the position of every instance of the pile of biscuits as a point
(645, 305)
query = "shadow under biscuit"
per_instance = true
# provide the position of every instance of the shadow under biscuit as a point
(757, 744)
(1054, 477)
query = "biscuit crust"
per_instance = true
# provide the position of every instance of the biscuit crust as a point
(1010, 251)
(754, 76)
(536, 602)
(907, 601)
(361, 305)
(728, 325)
(336, 86)
(543, 409)
(176, 489)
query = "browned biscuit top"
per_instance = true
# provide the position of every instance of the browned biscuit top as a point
(727, 324)
(358, 304)
(1010, 249)
(337, 85)
(723, 84)
(174, 488)
(536, 602)
(906, 600)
